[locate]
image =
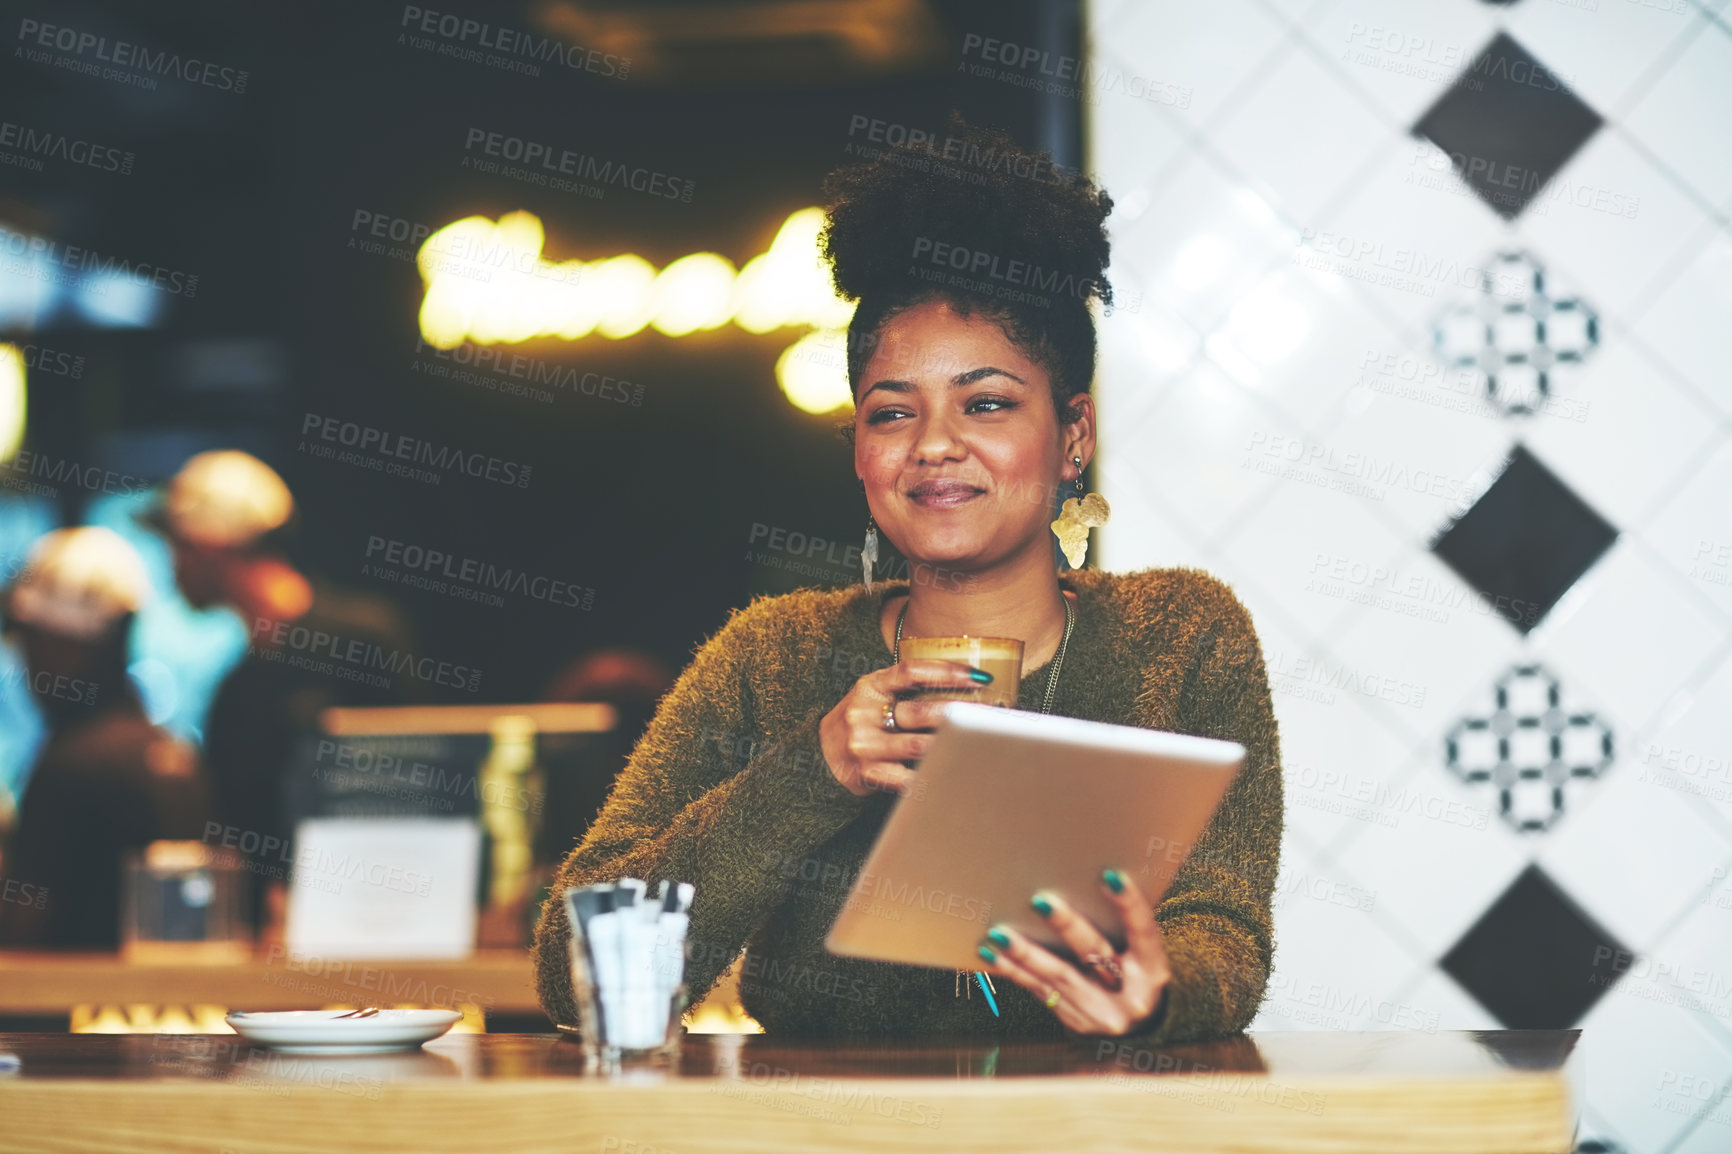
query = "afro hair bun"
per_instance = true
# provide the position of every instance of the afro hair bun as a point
(977, 193)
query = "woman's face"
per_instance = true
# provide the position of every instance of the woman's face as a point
(957, 440)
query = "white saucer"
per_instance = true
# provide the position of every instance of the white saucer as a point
(325, 1032)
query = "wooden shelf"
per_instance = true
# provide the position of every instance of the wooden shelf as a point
(47, 982)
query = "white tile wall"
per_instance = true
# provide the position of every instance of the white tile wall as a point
(1603, 51)
(1264, 134)
(1629, 851)
(1643, 1061)
(1640, 436)
(1277, 352)
(1683, 108)
(1208, 50)
(1402, 58)
(1681, 322)
(1685, 750)
(1627, 638)
(1616, 223)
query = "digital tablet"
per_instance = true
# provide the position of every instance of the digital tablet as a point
(1009, 802)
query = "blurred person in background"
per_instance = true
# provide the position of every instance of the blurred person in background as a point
(578, 782)
(106, 780)
(229, 519)
(579, 769)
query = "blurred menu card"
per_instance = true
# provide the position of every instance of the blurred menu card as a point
(387, 887)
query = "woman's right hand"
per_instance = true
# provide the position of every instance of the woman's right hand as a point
(861, 753)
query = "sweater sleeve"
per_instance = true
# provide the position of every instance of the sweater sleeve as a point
(685, 808)
(1216, 918)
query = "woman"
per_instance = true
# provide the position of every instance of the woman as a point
(770, 766)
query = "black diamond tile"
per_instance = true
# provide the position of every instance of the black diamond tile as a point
(1525, 541)
(1509, 124)
(1535, 959)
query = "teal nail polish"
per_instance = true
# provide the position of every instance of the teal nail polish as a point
(1115, 880)
(979, 675)
(987, 953)
(1041, 905)
(999, 938)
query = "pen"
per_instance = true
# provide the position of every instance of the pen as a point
(986, 988)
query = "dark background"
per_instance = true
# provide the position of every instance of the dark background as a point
(256, 193)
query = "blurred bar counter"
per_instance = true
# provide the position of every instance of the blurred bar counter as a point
(109, 993)
(1373, 1092)
(161, 996)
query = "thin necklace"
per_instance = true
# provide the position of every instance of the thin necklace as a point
(1057, 658)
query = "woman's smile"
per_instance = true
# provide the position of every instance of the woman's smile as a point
(943, 494)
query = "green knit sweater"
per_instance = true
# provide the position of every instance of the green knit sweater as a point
(728, 789)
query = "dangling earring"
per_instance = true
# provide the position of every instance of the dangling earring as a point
(1076, 517)
(869, 550)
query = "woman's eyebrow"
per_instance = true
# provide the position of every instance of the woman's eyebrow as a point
(973, 375)
(960, 379)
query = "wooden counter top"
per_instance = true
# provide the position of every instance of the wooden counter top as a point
(1377, 1092)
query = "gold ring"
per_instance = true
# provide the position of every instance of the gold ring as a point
(890, 716)
(1052, 999)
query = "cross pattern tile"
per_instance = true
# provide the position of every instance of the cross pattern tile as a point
(1525, 541)
(1530, 748)
(1508, 124)
(1535, 959)
(1514, 333)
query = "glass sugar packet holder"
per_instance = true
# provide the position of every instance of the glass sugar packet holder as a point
(628, 968)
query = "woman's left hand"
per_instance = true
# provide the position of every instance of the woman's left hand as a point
(1109, 992)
